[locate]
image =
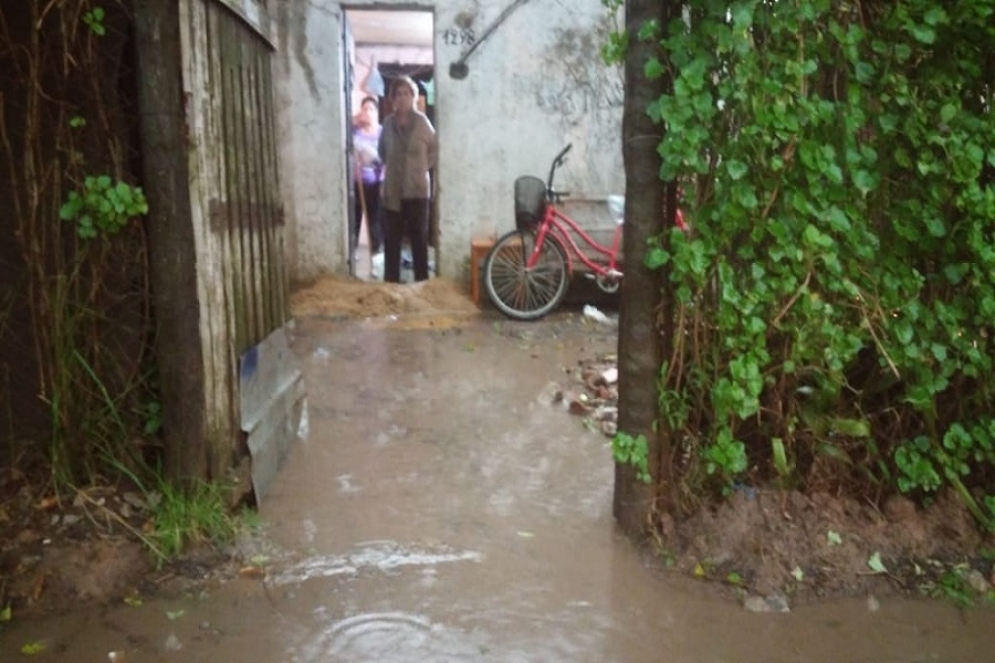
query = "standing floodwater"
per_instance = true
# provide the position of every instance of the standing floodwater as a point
(441, 509)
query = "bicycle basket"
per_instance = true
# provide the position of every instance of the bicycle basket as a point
(530, 202)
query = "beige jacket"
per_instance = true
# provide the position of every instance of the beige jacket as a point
(407, 153)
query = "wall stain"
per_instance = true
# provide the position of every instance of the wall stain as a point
(291, 21)
(584, 97)
(585, 84)
(464, 20)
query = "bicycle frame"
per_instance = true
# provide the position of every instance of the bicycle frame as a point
(563, 228)
(524, 277)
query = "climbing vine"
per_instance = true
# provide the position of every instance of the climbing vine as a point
(836, 293)
(79, 307)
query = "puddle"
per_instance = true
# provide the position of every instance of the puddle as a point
(440, 511)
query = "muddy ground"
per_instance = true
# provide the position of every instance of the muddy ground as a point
(58, 552)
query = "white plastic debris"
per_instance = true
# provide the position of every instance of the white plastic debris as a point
(772, 603)
(303, 426)
(616, 206)
(376, 267)
(593, 313)
(173, 643)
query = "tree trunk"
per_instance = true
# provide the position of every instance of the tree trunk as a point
(172, 248)
(639, 348)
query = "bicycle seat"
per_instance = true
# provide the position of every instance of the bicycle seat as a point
(616, 205)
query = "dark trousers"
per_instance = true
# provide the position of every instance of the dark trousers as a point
(411, 221)
(374, 222)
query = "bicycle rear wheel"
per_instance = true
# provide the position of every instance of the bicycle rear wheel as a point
(517, 291)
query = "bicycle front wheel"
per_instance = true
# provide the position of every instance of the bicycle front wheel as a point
(521, 292)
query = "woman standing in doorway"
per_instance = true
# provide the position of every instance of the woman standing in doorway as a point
(408, 150)
(369, 173)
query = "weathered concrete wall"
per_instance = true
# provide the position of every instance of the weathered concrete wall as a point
(536, 84)
(311, 135)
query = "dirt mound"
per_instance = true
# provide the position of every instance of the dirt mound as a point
(784, 542)
(334, 295)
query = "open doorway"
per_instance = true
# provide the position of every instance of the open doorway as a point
(380, 45)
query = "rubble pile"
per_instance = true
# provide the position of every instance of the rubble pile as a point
(593, 393)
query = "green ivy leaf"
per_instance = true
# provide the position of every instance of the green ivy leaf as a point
(935, 226)
(656, 257)
(736, 169)
(935, 15)
(33, 648)
(875, 563)
(653, 69)
(865, 181)
(923, 33)
(649, 29)
(851, 427)
(948, 112)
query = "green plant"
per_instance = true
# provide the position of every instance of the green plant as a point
(86, 319)
(726, 459)
(199, 514)
(920, 463)
(915, 466)
(952, 585)
(103, 206)
(105, 427)
(634, 451)
(833, 298)
(94, 20)
(151, 412)
(783, 468)
(614, 49)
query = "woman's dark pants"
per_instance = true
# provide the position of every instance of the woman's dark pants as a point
(411, 221)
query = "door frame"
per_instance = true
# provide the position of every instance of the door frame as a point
(348, 84)
(348, 51)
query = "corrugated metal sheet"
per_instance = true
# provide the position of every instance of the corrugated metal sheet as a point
(271, 405)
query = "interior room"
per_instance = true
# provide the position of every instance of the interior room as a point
(381, 45)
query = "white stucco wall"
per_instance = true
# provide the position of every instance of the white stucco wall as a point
(536, 84)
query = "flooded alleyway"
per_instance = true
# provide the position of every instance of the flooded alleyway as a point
(441, 510)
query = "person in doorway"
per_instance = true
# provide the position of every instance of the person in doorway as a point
(408, 149)
(368, 174)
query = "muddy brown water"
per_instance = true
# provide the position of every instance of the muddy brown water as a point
(440, 509)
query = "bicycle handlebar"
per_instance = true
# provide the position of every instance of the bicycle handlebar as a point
(558, 161)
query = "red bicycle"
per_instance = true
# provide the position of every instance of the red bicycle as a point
(527, 271)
